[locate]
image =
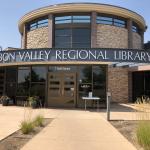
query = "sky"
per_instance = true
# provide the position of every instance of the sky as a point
(12, 11)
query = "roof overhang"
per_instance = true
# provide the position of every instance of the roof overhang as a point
(140, 68)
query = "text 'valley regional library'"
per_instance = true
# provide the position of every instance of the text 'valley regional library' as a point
(68, 50)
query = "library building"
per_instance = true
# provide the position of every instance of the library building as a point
(73, 49)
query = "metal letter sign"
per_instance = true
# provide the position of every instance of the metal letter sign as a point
(93, 54)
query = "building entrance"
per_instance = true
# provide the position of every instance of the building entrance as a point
(62, 89)
(141, 84)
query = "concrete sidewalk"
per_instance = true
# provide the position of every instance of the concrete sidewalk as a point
(78, 130)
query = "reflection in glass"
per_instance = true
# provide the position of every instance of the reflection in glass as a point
(85, 80)
(38, 89)
(11, 90)
(23, 90)
(99, 81)
(63, 38)
(24, 76)
(85, 75)
(23, 82)
(38, 74)
(11, 74)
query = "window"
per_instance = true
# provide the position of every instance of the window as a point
(99, 81)
(104, 20)
(111, 21)
(73, 38)
(63, 19)
(63, 38)
(135, 27)
(81, 38)
(38, 85)
(119, 23)
(11, 82)
(72, 19)
(85, 80)
(38, 74)
(37, 24)
(72, 31)
(23, 81)
(81, 19)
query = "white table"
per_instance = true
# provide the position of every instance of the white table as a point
(92, 99)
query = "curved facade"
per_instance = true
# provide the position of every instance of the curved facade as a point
(111, 26)
(77, 27)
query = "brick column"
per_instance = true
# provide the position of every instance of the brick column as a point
(93, 30)
(130, 88)
(130, 34)
(50, 31)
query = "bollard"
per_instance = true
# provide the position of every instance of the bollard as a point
(108, 105)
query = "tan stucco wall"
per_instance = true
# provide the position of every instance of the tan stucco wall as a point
(111, 37)
(38, 38)
(118, 84)
(137, 41)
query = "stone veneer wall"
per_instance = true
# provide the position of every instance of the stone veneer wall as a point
(137, 41)
(111, 37)
(38, 38)
(22, 42)
(118, 84)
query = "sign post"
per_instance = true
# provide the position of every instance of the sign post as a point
(108, 105)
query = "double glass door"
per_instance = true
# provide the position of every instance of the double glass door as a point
(62, 89)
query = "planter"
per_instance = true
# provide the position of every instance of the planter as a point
(33, 104)
(5, 102)
(33, 101)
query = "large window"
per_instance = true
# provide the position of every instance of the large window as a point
(38, 74)
(63, 38)
(99, 81)
(23, 81)
(31, 82)
(72, 31)
(92, 79)
(75, 38)
(38, 79)
(11, 80)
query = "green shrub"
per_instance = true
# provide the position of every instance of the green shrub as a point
(143, 134)
(39, 121)
(27, 127)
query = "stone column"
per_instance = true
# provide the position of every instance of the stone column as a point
(93, 30)
(130, 34)
(50, 31)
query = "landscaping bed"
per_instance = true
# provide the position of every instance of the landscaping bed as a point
(17, 140)
(128, 130)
